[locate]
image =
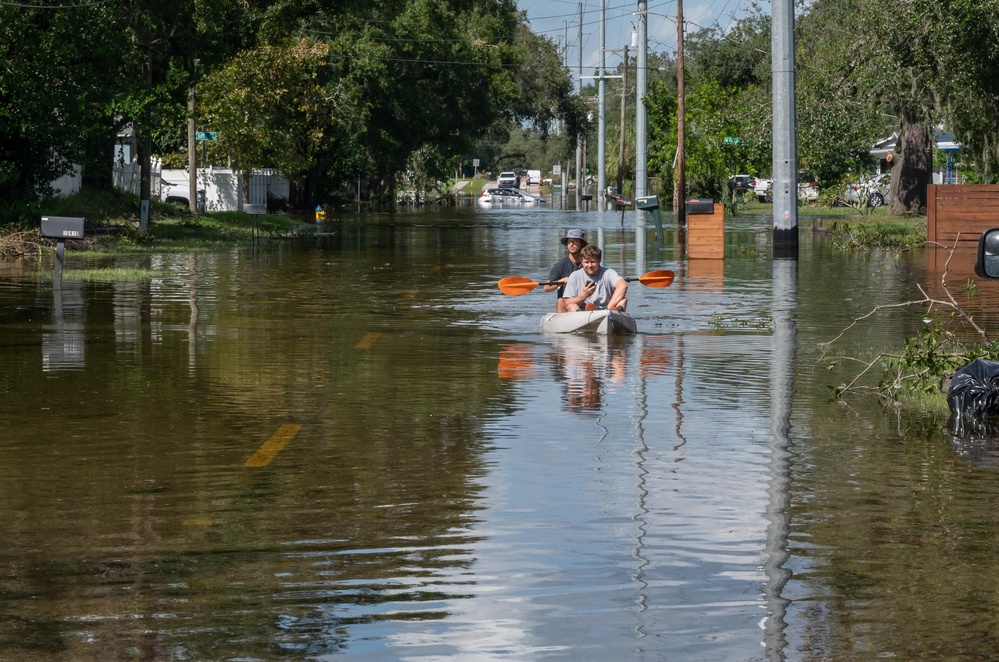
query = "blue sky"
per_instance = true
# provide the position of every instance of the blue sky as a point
(549, 17)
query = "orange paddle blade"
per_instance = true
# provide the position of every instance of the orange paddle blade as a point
(657, 278)
(516, 285)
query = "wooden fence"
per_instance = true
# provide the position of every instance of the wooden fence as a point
(960, 212)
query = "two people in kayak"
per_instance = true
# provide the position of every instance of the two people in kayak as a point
(582, 282)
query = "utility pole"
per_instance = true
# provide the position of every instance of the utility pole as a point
(641, 85)
(565, 63)
(680, 194)
(620, 149)
(785, 145)
(579, 141)
(192, 156)
(601, 112)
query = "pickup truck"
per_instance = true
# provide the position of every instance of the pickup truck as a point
(763, 189)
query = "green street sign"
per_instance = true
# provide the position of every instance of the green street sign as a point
(732, 141)
(205, 135)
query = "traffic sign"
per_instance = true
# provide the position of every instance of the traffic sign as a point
(205, 135)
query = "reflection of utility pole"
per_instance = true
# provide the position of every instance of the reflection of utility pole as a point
(620, 151)
(680, 196)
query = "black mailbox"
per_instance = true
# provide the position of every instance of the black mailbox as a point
(699, 206)
(62, 227)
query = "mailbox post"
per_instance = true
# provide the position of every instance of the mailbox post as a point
(61, 228)
(651, 203)
(705, 229)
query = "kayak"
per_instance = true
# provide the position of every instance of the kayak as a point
(603, 322)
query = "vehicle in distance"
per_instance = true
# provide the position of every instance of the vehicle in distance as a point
(741, 183)
(178, 193)
(762, 188)
(870, 191)
(508, 179)
(808, 186)
(499, 195)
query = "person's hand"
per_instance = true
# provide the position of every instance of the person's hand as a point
(588, 289)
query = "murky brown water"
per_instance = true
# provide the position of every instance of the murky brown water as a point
(356, 445)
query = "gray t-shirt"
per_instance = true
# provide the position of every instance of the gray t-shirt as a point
(605, 279)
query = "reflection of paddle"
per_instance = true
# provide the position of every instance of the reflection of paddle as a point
(515, 285)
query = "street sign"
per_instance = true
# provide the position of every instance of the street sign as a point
(557, 170)
(732, 141)
(205, 135)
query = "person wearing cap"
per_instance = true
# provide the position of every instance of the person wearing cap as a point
(574, 240)
(594, 287)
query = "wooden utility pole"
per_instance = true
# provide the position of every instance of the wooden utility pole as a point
(192, 156)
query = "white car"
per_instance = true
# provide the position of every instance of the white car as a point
(508, 179)
(807, 190)
(763, 189)
(503, 195)
(872, 192)
(178, 193)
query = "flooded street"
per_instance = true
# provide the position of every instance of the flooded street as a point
(355, 444)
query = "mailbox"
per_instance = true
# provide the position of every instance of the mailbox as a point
(650, 202)
(699, 206)
(62, 227)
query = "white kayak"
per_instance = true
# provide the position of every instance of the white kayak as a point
(604, 322)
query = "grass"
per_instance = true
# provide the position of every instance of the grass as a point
(110, 275)
(112, 218)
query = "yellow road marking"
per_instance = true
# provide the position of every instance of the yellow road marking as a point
(368, 340)
(270, 448)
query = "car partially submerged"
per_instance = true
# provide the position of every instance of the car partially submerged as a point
(497, 195)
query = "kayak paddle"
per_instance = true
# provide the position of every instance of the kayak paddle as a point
(517, 285)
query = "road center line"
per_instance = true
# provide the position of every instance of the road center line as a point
(368, 340)
(270, 448)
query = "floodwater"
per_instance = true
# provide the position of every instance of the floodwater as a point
(355, 445)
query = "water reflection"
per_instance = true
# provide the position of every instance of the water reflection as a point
(460, 485)
(583, 365)
(64, 342)
(782, 369)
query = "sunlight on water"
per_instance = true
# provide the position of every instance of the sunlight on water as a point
(355, 444)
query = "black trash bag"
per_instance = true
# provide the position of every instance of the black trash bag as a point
(974, 390)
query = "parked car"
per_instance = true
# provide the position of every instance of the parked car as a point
(179, 193)
(741, 183)
(872, 191)
(808, 186)
(506, 195)
(508, 179)
(763, 189)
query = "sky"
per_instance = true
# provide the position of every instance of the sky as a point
(550, 18)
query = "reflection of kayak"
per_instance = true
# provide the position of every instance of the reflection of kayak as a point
(589, 321)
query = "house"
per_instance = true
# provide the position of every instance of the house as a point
(944, 172)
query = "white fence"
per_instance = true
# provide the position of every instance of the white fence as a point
(221, 186)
